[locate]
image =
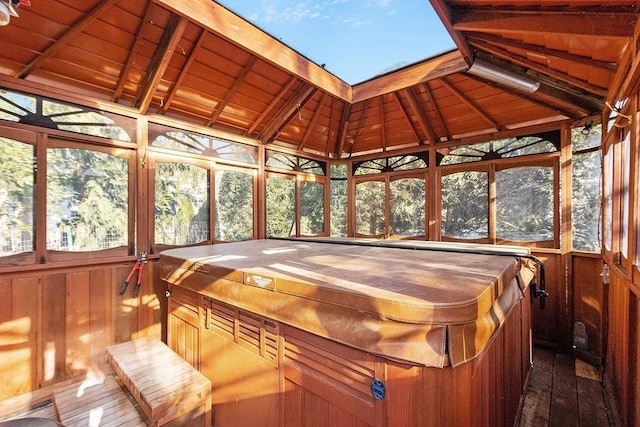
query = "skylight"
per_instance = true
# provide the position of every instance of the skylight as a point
(355, 40)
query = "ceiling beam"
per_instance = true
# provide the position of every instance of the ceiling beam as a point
(540, 51)
(443, 65)
(420, 113)
(597, 23)
(314, 120)
(65, 38)
(285, 89)
(407, 117)
(184, 71)
(383, 135)
(236, 84)
(160, 61)
(133, 51)
(231, 27)
(354, 139)
(342, 132)
(542, 101)
(432, 101)
(469, 103)
(293, 106)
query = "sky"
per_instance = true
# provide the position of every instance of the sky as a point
(354, 39)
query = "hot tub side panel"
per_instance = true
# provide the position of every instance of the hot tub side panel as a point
(273, 374)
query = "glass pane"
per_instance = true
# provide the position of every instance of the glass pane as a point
(281, 206)
(586, 201)
(608, 199)
(586, 137)
(338, 200)
(465, 205)
(524, 204)
(234, 205)
(181, 204)
(407, 207)
(311, 208)
(87, 200)
(16, 197)
(624, 221)
(370, 208)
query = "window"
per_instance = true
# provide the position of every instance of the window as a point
(371, 217)
(17, 177)
(197, 143)
(43, 112)
(391, 164)
(234, 205)
(281, 206)
(524, 204)
(311, 208)
(295, 196)
(608, 199)
(547, 142)
(181, 204)
(338, 200)
(407, 205)
(508, 196)
(87, 200)
(586, 190)
(465, 205)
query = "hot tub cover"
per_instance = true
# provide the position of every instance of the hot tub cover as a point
(427, 307)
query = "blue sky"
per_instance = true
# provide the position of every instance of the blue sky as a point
(355, 39)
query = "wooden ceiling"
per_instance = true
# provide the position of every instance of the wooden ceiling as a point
(196, 61)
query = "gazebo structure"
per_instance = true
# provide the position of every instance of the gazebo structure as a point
(134, 128)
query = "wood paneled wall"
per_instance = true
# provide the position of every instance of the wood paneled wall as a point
(55, 324)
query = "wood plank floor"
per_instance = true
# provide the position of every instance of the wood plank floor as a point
(562, 392)
(566, 392)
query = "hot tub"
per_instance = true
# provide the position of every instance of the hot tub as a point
(325, 331)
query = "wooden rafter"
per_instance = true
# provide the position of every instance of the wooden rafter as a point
(383, 134)
(285, 89)
(360, 124)
(525, 62)
(595, 23)
(420, 114)
(564, 108)
(295, 104)
(407, 117)
(236, 84)
(313, 121)
(504, 43)
(469, 103)
(160, 61)
(184, 71)
(133, 51)
(342, 133)
(432, 101)
(66, 38)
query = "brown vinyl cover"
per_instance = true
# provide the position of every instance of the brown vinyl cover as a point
(425, 307)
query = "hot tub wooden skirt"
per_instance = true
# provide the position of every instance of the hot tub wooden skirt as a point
(271, 374)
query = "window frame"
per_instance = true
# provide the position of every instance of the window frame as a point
(491, 167)
(47, 255)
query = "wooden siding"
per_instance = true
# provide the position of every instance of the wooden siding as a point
(57, 324)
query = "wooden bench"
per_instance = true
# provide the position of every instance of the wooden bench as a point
(167, 388)
(98, 403)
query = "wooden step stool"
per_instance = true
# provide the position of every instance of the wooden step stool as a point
(168, 389)
(102, 404)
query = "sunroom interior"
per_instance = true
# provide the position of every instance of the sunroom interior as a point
(133, 129)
